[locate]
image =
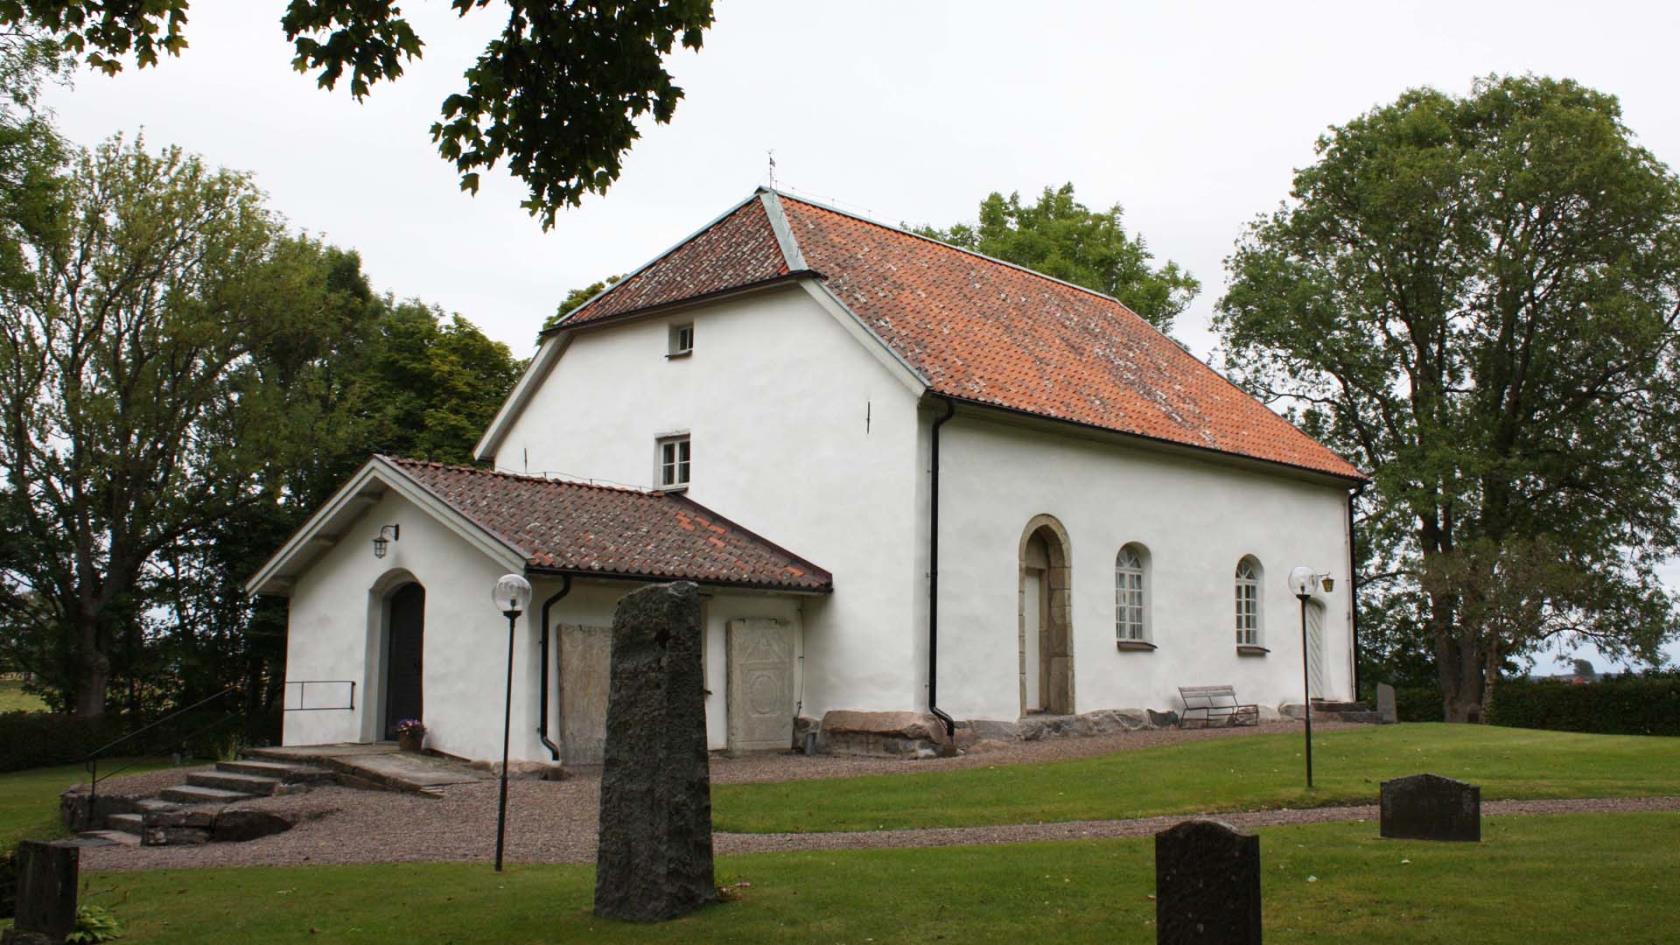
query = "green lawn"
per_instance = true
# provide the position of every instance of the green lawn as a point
(14, 699)
(1246, 773)
(29, 799)
(1599, 878)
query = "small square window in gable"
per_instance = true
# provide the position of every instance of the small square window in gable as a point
(680, 341)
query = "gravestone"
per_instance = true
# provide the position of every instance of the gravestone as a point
(1430, 807)
(654, 860)
(46, 893)
(1207, 885)
(1386, 712)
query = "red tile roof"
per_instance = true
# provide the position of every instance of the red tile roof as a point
(737, 249)
(981, 330)
(581, 528)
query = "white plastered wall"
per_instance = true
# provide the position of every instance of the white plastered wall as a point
(336, 633)
(335, 630)
(799, 433)
(1196, 518)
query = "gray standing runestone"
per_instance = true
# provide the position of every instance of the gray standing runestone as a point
(1386, 712)
(1207, 885)
(654, 860)
(1430, 807)
(46, 893)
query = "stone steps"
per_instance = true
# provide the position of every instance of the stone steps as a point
(116, 837)
(278, 770)
(183, 813)
(127, 823)
(193, 794)
(156, 805)
(253, 784)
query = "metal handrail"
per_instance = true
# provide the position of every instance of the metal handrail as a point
(302, 685)
(91, 762)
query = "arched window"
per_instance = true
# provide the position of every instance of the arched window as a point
(1248, 602)
(1131, 594)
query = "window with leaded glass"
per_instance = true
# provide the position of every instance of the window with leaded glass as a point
(1248, 602)
(1131, 604)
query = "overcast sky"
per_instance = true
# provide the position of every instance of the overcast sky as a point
(1192, 116)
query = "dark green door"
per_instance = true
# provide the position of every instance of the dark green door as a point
(405, 643)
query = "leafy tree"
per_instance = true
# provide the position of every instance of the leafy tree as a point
(134, 414)
(432, 384)
(30, 150)
(556, 95)
(388, 377)
(1477, 298)
(1061, 237)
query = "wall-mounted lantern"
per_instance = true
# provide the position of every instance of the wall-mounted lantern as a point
(381, 542)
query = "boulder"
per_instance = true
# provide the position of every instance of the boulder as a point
(238, 826)
(851, 732)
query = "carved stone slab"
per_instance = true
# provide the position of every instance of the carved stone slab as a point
(46, 890)
(1386, 712)
(1430, 807)
(1207, 885)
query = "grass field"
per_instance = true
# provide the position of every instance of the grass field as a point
(14, 699)
(1605, 878)
(1249, 773)
(29, 799)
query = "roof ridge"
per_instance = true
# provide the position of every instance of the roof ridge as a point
(679, 244)
(785, 240)
(522, 477)
(967, 252)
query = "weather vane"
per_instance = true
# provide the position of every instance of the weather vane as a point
(772, 155)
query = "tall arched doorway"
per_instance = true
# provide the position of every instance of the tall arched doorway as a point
(1045, 617)
(405, 638)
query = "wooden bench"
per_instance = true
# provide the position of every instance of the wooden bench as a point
(1207, 706)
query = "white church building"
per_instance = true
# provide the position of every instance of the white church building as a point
(908, 479)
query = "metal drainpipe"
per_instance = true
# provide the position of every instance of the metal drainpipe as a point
(933, 576)
(542, 714)
(1353, 582)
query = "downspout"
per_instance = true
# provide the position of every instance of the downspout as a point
(1353, 583)
(933, 576)
(542, 712)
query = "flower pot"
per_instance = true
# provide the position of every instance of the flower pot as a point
(410, 741)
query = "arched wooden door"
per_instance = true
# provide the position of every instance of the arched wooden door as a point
(1046, 632)
(405, 638)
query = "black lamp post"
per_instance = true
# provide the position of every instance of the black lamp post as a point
(1300, 581)
(512, 595)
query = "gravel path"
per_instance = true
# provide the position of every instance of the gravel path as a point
(555, 822)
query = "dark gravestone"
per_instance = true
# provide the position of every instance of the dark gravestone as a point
(1386, 712)
(46, 892)
(1430, 807)
(654, 860)
(1207, 885)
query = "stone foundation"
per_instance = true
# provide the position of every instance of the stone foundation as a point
(1330, 712)
(920, 735)
(1036, 727)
